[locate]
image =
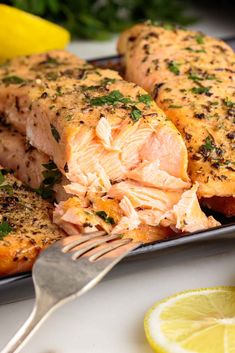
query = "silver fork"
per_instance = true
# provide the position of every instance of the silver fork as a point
(66, 270)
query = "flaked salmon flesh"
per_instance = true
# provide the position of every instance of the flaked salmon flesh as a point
(191, 76)
(124, 162)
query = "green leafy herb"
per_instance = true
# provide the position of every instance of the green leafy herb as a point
(105, 217)
(49, 61)
(52, 76)
(58, 91)
(112, 98)
(145, 98)
(209, 143)
(15, 80)
(229, 103)
(136, 114)
(106, 81)
(51, 176)
(173, 106)
(174, 67)
(7, 188)
(5, 229)
(69, 117)
(55, 133)
(99, 19)
(200, 90)
(2, 178)
(200, 38)
(194, 77)
(195, 50)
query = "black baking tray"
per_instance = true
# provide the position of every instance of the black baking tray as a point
(224, 232)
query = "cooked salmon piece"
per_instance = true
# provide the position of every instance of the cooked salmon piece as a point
(192, 78)
(32, 167)
(107, 136)
(26, 226)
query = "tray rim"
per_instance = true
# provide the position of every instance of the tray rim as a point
(224, 231)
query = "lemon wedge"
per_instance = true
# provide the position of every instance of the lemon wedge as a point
(22, 33)
(199, 321)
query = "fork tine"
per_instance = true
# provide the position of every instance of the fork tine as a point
(114, 245)
(82, 239)
(92, 245)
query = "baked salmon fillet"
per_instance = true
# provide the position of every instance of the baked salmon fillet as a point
(32, 167)
(26, 226)
(192, 78)
(126, 163)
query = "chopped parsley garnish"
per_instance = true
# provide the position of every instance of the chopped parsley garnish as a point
(228, 103)
(195, 50)
(200, 90)
(209, 143)
(194, 77)
(200, 38)
(136, 114)
(112, 98)
(52, 76)
(58, 91)
(145, 98)
(51, 176)
(55, 133)
(51, 62)
(15, 80)
(107, 81)
(5, 187)
(173, 106)
(2, 178)
(69, 117)
(5, 229)
(174, 67)
(103, 215)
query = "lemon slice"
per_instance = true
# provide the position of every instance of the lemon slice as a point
(22, 33)
(200, 321)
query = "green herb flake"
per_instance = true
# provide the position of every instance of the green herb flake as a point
(5, 229)
(200, 38)
(228, 103)
(173, 106)
(112, 98)
(145, 98)
(58, 91)
(174, 67)
(55, 133)
(69, 117)
(2, 178)
(103, 215)
(106, 81)
(14, 80)
(200, 90)
(209, 143)
(195, 50)
(136, 114)
(51, 176)
(194, 77)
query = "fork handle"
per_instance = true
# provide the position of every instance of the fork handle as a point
(40, 311)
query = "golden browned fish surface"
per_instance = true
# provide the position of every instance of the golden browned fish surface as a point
(26, 227)
(108, 137)
(192, 78)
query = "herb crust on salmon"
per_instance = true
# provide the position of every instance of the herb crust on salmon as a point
(192, 78)
(26, 226)
(125, 162)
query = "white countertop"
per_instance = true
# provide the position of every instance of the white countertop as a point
(109, 319)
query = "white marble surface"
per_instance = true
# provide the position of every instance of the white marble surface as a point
(109, 319)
